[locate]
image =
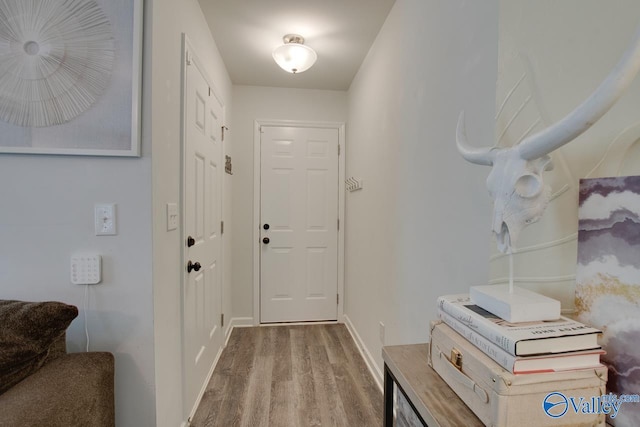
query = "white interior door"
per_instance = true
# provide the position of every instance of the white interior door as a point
(299, 224)
(203, 168)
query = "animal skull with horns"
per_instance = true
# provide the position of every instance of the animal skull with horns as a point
(515, 182)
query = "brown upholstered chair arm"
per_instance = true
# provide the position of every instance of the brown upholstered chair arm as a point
(76, 389)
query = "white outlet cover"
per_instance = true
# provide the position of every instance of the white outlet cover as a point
(105, 219)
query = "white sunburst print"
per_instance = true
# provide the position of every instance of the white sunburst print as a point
(56, 59)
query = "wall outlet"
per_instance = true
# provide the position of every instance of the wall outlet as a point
(105, 219)
(381, 333)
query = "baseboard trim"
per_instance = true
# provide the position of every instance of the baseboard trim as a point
(366, 354)
(239, 322)
(309, 323)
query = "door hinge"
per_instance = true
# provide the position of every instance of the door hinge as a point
(338, 224)
(224, 128)
(339, 149)
(222, 319)
(337, 299)
(188, 57)
(209, 91)
(221, 227)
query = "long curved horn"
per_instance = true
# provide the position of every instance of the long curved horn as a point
(587, 113)
(479, 156)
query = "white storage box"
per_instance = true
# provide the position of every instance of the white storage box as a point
(500, 398)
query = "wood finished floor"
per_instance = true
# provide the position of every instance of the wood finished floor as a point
(290, 376)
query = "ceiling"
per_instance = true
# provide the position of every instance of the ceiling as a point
(340, 31)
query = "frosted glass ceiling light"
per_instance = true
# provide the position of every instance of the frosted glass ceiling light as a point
(293, 56)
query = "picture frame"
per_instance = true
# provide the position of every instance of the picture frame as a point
(107, 68)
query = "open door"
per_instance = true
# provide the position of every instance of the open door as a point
(202, 211)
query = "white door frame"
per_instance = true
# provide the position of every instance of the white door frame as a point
(256, 205)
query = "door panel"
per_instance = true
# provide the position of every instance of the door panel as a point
(299, 201)
(202, 292)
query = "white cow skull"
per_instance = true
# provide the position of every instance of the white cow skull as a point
(515, 182)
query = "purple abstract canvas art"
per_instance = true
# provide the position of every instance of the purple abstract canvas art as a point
(608, 280)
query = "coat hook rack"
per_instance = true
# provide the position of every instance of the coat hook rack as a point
(353, 184)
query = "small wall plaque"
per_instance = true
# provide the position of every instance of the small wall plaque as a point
(227, 165)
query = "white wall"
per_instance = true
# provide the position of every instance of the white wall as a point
(251, 103)
(169, 22)
(419, 227)
(565, 49)
(46, 215)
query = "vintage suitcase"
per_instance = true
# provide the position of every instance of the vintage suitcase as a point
(500, 398)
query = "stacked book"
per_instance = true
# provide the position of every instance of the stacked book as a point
(523, 348)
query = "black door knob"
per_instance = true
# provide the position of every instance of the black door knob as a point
(266, 226)
(193, 266)
(266, 240)
(190, 241)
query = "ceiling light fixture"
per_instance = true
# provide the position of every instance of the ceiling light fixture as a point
(293, 56)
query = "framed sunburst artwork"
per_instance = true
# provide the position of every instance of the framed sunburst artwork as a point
(608, 280)
(70, 77)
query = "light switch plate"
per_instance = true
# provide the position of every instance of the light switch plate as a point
(172, 216)
(105, 219)
(86, 269)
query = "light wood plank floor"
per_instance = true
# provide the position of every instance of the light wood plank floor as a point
(290, 376)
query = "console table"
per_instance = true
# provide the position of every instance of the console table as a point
(434, 403)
